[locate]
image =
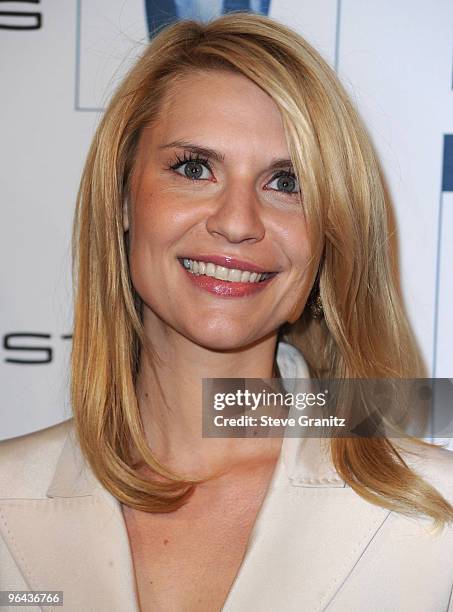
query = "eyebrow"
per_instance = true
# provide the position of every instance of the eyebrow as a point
(213, 154)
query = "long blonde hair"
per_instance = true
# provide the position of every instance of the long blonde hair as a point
(364, 333)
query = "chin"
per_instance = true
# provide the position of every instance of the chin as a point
(222, 337)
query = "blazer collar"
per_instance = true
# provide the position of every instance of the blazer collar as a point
(73, 476)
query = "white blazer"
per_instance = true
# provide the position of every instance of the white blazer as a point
(316, 545)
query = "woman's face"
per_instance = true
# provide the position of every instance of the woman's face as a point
(213, 184)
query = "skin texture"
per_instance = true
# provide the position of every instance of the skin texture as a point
(238, 208)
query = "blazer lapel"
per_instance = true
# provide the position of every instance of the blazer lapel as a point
(310, 533)
(311, 530)
(74, 541)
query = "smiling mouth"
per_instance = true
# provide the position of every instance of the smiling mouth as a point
(232, 275)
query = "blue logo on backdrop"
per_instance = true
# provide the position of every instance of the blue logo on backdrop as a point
(447, 170)
(163, 12)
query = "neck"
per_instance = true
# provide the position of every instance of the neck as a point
(170, 402)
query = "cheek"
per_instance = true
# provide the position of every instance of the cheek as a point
(151, 223)
(160, 222)
(166, 215)
(143, 236)
(295, 242)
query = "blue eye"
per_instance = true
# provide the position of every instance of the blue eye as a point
(193, 168)
(286, 182)
(196, 168)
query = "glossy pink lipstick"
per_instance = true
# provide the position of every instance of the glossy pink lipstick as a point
(227, 288)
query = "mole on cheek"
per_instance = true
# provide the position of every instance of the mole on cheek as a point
(166, 542)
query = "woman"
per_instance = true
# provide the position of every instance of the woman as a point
(229, 149)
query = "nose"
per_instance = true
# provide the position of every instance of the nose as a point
(237, 215)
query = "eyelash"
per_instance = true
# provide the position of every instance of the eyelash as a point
(190, 157)
(195, 157)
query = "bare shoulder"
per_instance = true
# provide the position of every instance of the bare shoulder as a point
(432, 462)
(27, 462)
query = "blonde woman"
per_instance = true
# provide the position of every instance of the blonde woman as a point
(231, 223)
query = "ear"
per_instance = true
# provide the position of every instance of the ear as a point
(126, 214)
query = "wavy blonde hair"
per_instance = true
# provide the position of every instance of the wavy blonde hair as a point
(364, 333)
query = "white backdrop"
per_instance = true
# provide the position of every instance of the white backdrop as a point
(60, 59)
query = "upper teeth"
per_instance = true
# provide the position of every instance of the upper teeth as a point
(222, 273)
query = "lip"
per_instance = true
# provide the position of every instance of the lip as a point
(226, 289)
(228, 261)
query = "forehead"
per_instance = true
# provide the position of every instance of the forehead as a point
(219, 105)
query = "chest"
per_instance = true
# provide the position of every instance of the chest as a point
(187, 560)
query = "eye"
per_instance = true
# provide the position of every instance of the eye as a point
(285, 181)
(192, 167)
